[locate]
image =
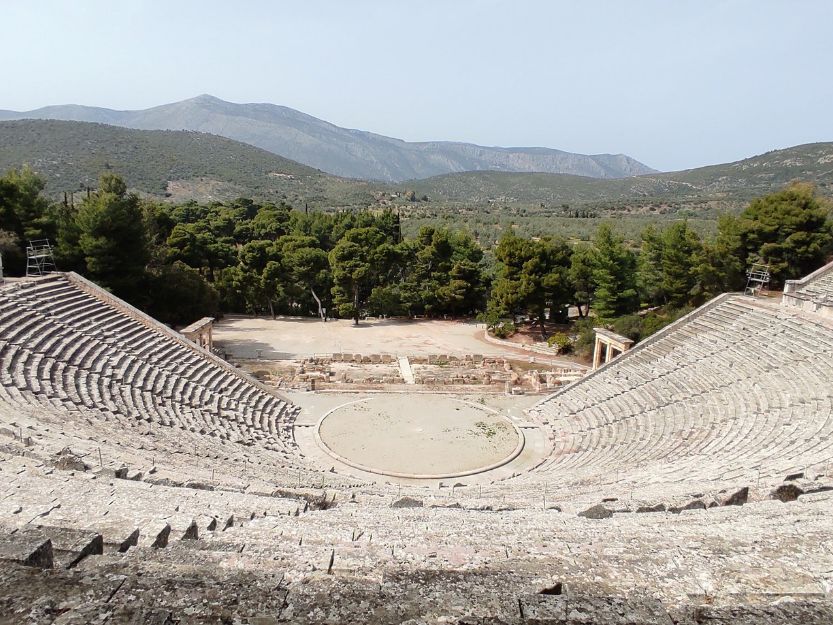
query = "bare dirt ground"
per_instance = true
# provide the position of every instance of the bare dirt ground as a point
(427, 435)
(295, 338)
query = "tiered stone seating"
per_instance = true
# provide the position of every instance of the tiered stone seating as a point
(742, 390)
(261, 559)
(183, 497)
(813, 293)
(819, 289)
(75, 356)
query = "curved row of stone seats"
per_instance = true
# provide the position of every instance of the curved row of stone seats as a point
(741, 388)
(97, 440)
(33, 495)
(819, 288)
(65, 343)
(452, 561)
(813, 293)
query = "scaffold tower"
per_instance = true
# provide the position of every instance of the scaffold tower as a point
(39, 258)
(757, 279)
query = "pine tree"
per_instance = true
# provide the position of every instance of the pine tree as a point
(680, 246)
(111, 238)
(650, 267)
(615, 276)
(790, 230)
(581, 277)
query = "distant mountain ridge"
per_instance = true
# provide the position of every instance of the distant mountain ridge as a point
(340, 151)
(182, 165)
(738, 181)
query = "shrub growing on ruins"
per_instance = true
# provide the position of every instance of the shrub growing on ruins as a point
(562, 342)
(504, 329)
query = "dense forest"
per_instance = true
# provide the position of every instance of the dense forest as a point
(181, 262)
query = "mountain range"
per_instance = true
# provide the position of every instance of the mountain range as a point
(340, 151)
(184, 165)
(735, 182)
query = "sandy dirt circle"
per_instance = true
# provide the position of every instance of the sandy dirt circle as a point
(419, 436)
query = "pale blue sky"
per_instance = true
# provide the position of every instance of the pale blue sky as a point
(673, 83)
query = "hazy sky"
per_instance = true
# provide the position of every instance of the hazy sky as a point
(673, 83)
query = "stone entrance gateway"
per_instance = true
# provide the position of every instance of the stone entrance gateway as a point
(611, 344)
(200, 332)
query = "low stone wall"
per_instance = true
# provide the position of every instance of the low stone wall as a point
(440, 359)
(795, 295)
(797, 300)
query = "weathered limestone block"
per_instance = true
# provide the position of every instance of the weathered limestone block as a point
(596, 512)
(118, 473)
(787, 493)
(155, 535)
(660, 507)
(782, 613)
(69, 546)
(587, 610)
(67, 460)
(29, 551)
(697, 504)
(407, 502)
(738, 498)
(192, 532)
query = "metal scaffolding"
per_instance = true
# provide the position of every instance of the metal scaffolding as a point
(39, 258)
(757, 279)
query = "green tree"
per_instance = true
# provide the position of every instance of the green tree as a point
(307, 271)
(181, 295)
(532, 276)
(582, 264)
(188, 243)
(111, 238)
(789, 229)
(25, 214)
(442, 273)
(614, 273)
(263, 280)
(680, 247)
(718, 264)
(271, 222)
(649, 274)
(23, 208)
(359, 262)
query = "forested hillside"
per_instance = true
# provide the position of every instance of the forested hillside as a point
(739, 181)
(180, 165)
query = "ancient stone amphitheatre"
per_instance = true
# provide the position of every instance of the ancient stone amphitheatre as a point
(143, 479)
